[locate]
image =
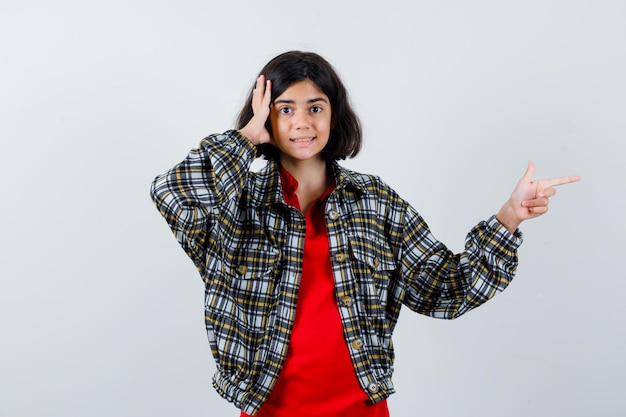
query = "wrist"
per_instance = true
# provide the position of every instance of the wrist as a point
(507, 218)
(245, 132)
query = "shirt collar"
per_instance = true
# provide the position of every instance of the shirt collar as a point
(268, 183)
(347, 179)
(289, 183)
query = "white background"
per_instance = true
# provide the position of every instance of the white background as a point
(101, 313)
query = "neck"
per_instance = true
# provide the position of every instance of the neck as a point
(311, 172)
(313, 179)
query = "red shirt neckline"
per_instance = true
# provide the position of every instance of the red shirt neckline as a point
(290, 186)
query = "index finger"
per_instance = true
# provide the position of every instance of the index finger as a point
(562, 180)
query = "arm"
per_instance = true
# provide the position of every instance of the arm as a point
(445, 285)
(188, 195)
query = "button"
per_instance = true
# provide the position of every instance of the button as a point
(373, 388)
(333, 214)
(242, 269)
(357, 344)
(347, 301)
(340, 257)
(376, 263)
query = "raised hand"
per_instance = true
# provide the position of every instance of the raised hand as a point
(530, 198)
(261, 98)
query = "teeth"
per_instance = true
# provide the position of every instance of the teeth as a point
(302, 140)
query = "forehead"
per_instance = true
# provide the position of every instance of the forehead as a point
(302, 91)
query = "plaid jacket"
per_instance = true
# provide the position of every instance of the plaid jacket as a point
(247, 245)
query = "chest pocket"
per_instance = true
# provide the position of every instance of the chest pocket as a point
(244, 291)
(373, 265)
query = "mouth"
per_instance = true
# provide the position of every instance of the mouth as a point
(302, 140)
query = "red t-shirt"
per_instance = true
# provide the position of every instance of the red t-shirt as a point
(317, 378)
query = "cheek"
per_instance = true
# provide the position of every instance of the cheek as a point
(326, 125)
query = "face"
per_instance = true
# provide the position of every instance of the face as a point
(300, 118)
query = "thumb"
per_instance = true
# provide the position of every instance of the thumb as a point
(530, 171)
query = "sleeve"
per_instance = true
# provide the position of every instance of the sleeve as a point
(189, 195)
(445, 285)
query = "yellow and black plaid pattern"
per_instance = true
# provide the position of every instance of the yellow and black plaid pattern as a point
(247, 245)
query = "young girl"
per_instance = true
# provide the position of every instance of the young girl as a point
(306, 264)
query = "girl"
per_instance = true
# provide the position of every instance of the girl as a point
(306, 264)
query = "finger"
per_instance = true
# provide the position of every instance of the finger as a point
(547, 192)
(258, 93)
(267, 97)
(536, 202)
(530, 171)
(260, 82)
(561, 180)
(537, 211)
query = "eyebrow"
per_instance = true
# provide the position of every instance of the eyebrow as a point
(310, 101)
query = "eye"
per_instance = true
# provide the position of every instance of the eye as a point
(284, 110)
(316, 109)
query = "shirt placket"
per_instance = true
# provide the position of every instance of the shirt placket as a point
(346, 292)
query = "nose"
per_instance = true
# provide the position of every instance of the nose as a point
(301, 119)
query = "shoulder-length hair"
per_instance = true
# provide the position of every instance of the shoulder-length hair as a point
(293, 66)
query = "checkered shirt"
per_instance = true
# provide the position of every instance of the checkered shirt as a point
(248, 245)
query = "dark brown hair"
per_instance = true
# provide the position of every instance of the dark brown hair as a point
(293, 66)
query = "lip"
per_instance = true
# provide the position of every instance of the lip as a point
(303, 139)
